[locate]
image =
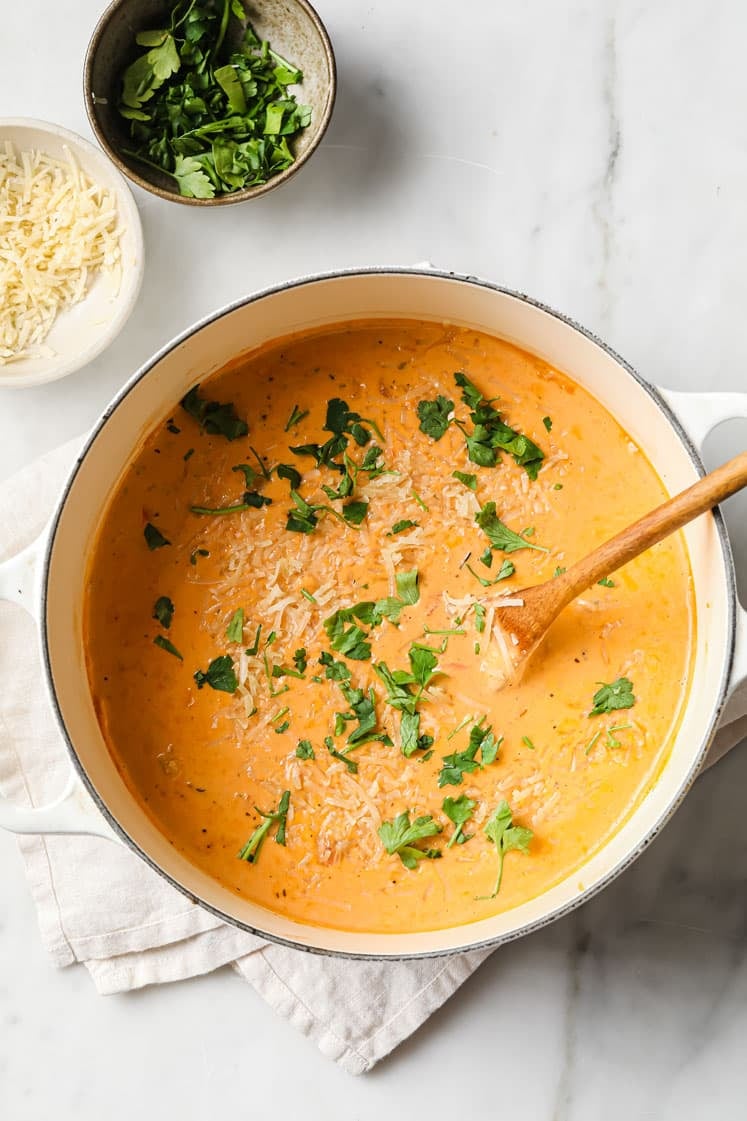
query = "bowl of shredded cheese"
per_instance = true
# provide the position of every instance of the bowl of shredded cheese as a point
(71, 252)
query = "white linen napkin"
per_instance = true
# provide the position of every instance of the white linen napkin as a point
(140, 931)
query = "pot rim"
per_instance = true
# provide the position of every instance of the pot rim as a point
(729, 573)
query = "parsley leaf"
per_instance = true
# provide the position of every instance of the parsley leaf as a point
(163, 611)
(400, 836)
(400, 527)
(333, 670)
(297, 415)
(213, 417)
(507, 569)
(285, 471)
(608, 698)
(506, 837)
(355, 512)
(250, 851)
(470, 481)
(350, 764)
(235, 628)
(407, 586)
(349, 640)
(165, 644)
(499, 535)
(460, 763)
(305, 750)
(606, 582)
(434, 416)
(546, 420)
(154, 539)
(459, 810)
(219, 675)
(211, 109)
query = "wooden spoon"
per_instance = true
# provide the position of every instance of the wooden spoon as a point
(526, 616)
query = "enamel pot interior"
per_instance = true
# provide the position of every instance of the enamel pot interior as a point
(151, 396)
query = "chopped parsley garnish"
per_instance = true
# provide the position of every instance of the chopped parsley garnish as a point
(528, 743)
(506, 837)
(300, 662)
(470, 481)
(362, 709)
(490, 434)
(289, 473)
(618, 694)
(404, 691)
(254, 648)
(305, 750)
(547, 421)
(171, 427)
(198, 553)
(213, 417)
(283, 727)
(400, 836)
(351, 764)
(163, 611)
(297, 415)
(206, 102)
(154, 539)
(434, 416)
(355, 512)
(461, 763)
(557, 486)
(559, 571)
(606, 582)
(163, 642)
(591, 742)
(479, 618)
(345, 636)
(507, 569)
(420, 502)
(235, 628)
(486, 557)
(250, 500)
(333, 670)
(305, 518)
(459, 810)
(611, 740)
(499, 535)
(250, 851)
(400, 527)
(219, 675)
(307, 595)
(188, 454)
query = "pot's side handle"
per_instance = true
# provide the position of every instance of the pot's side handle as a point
(700, 413)
(73, 811)
(19, 574)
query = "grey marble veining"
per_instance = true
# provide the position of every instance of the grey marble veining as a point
(593, 154)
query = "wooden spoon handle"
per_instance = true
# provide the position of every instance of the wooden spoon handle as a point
(665, 519)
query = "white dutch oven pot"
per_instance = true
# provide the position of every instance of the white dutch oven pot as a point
(49, 577)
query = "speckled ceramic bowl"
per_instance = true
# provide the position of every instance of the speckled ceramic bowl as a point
(291, 26)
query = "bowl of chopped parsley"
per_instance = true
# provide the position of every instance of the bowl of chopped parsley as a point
(208, 102)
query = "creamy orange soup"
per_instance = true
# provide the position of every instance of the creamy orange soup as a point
(193, 618)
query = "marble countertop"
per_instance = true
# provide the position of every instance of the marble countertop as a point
(595, 156)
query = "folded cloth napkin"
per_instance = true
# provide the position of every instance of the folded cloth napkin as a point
(141, 931)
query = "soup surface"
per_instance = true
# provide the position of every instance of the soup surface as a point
(231, 676)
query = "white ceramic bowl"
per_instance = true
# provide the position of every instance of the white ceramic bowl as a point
(83, 331)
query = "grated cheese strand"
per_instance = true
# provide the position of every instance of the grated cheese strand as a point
(57, 230)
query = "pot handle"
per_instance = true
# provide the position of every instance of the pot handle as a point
(700, 413)
(73, 811)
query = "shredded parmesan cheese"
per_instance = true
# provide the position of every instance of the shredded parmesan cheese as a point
(57, 229)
